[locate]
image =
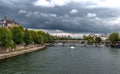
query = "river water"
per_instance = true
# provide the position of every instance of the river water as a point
(64, 60)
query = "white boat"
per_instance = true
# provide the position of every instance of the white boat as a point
(72, 47)
(60, 43)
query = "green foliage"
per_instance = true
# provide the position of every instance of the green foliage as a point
(27, 37)
(89, 39)
(98, 39)
(50, 38)
(85, 37)
(17, 34)
(40, 37)
(5, 38)
(113, 37)
(34, 36)
(13, 45)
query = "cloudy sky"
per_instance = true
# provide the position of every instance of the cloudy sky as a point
(73, 16)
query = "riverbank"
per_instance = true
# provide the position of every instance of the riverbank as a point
(20, 52)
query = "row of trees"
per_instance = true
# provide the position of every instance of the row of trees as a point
(92, 40)
(113, 38)
(9, 38)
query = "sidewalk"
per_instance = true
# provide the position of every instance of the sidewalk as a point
(15, 53)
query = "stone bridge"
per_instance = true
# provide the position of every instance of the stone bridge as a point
(69, 41)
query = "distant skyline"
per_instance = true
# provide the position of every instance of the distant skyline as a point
(69, 16)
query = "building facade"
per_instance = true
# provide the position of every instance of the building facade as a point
(8, 23)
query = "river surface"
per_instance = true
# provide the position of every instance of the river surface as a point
(64, 60)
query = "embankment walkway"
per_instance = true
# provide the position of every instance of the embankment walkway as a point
(15, 53)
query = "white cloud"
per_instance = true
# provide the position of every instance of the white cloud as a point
(22, 11)
(51, 3)
(53, 15)
(114, 21)
(103, 3)
(43, 3)
(48, 15)
(35, 12)
(117, 20)
(61, 33)
(97, 18)
(74, 11)
(60, 2)
(29, 14)
(91, 15)
(90, 3)
(109, 3)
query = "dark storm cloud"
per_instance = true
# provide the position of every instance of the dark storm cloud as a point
(72, 17)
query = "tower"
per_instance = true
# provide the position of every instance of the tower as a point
(5, 19)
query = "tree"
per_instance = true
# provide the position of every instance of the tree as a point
(85, 37)
(5, 38)
(89, 39)
(17, 34)
(114, 37)
(49, 38)
(33, 35)
(98, 39)
(27, 37)
(40, 38)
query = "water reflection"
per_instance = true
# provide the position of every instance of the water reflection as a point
(115, 51)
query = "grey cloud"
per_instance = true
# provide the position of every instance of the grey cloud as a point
(59, 17)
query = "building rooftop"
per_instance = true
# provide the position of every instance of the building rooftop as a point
(9, 21)
(6, 21)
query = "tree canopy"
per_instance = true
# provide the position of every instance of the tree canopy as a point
(17, 34)
(5, 38)
(98, 39)
(114, 37)
(89, 39)
(9, 38)
(27, 37)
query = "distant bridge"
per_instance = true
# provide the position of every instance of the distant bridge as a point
(69, 41)
(75, 43)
